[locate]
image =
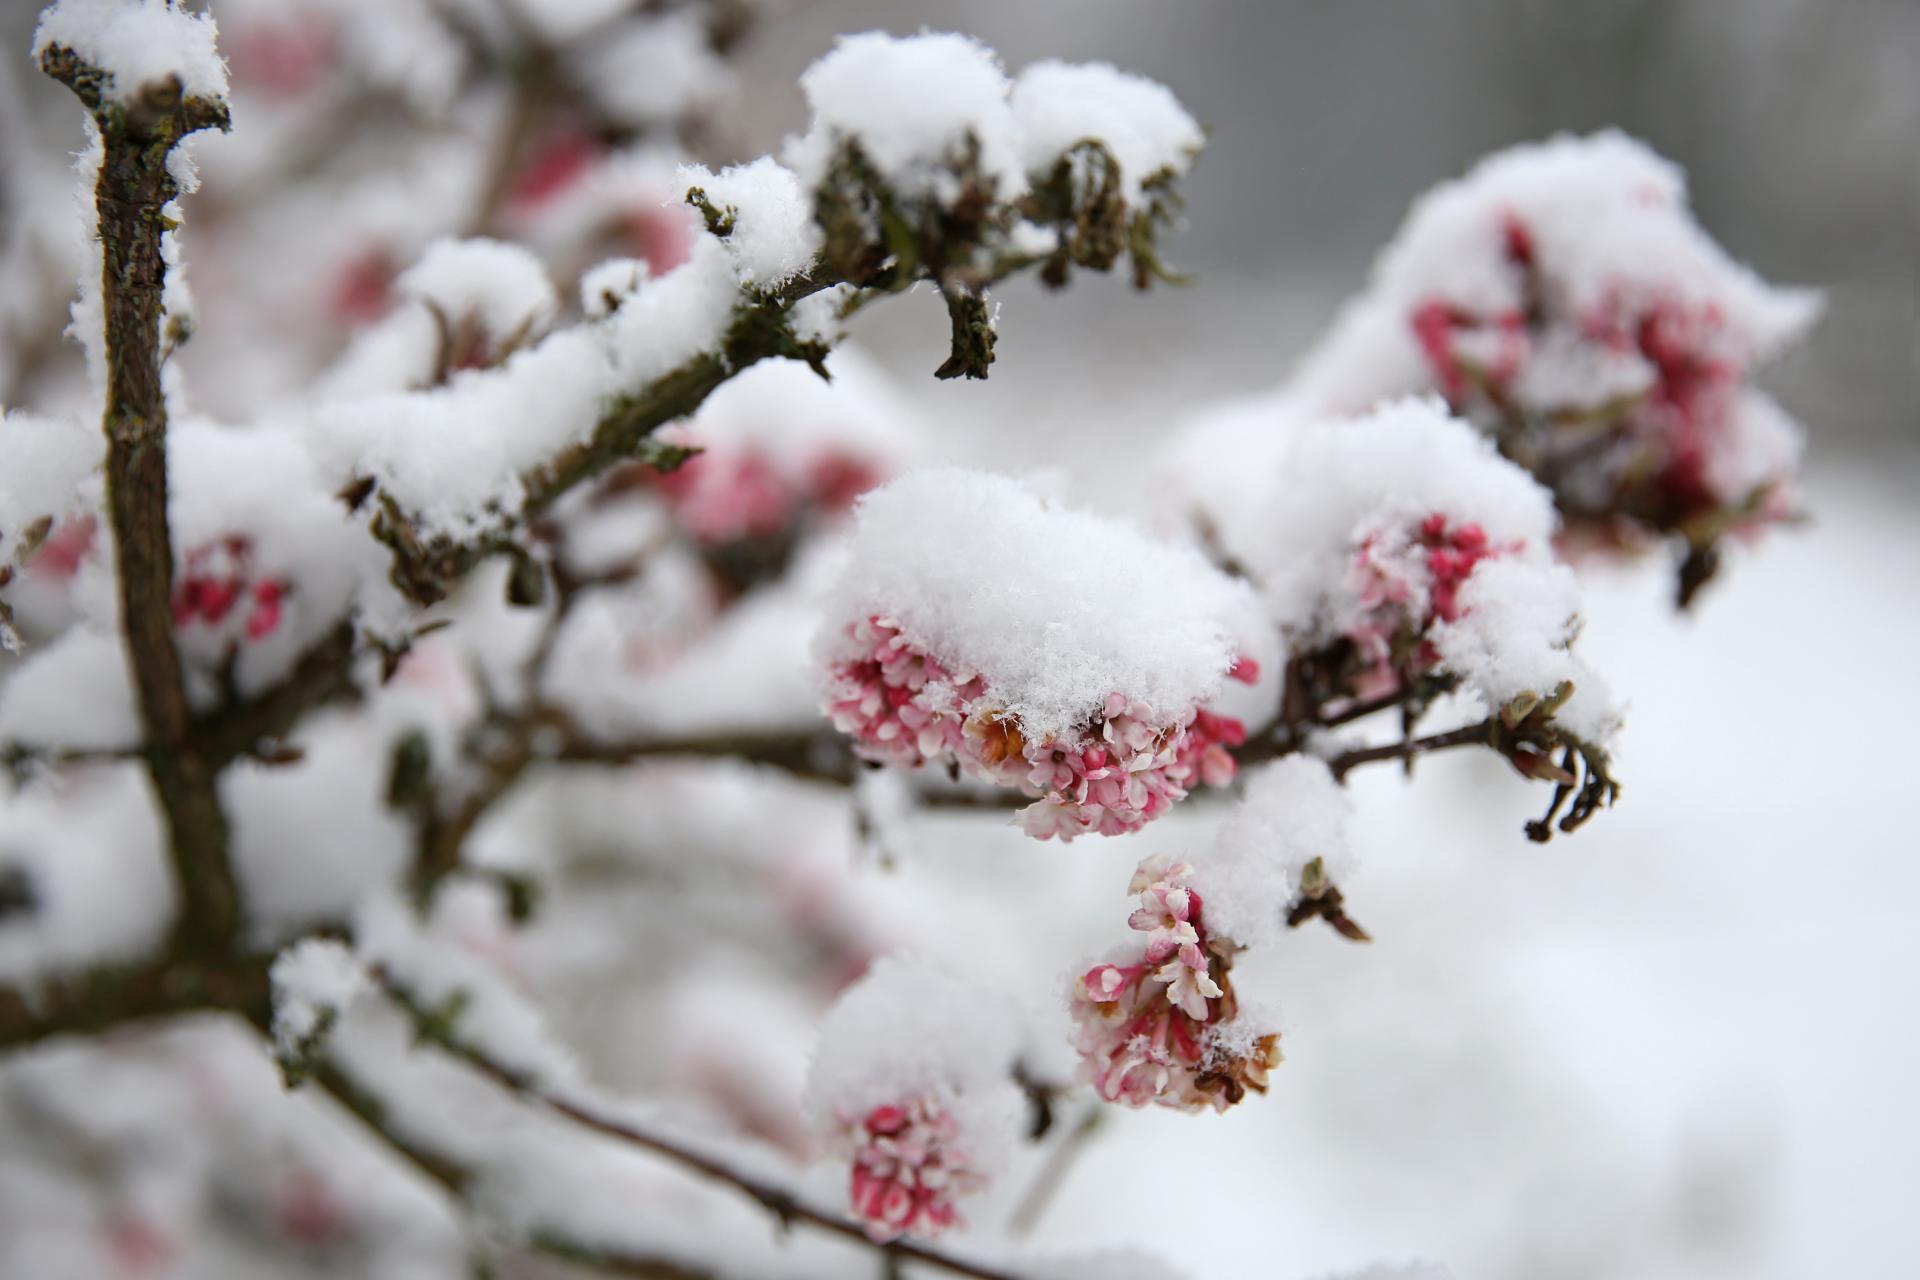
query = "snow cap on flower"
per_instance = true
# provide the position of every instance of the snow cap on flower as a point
(1056, 609)
(1602, 217)
(914, 1074)
(777, 443)
(1406, 524)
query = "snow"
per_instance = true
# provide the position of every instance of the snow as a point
(1516, 623)
(1291, 812)
(43, 461)
(260, 485)
(912, 103)
(1609, 223)
(138, 42)
(1405, 461)
(94, 864)
(652, 70)
(1056, 608)
(72, 693)
(312, 838)
(314, 981)
(911, 1029)
(607, 284)
(1059, 104)
(500, 285)
(774, 236)
(498, 1021)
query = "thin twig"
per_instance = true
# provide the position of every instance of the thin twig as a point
(1478, 734)
(1053, 1174)
(778, 1200)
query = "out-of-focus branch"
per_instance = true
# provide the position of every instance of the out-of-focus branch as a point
(134, 188)
(780, 1201)
(362, 1103)
(96, 1001)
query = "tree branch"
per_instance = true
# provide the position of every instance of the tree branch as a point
(1478, 734)
(783, 1203)
(133, 190)
(88, 1003)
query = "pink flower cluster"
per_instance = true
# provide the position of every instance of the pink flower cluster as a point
(1393, 573)
(902, 705)
(1146, 1023)
(1685, 418)
(736, 494)
(909, 1166)
(220, 583)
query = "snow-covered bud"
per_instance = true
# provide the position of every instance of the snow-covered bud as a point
(1408, 555)
(1031, 646)
(1562, 296)
(914, 1079)
(219, 590)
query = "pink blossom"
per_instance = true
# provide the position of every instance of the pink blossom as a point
(66, 548)
(1670, 437)
(1147, 1029)
(1404, 582)
(1127, 766)
(909, 1166)
(219, 583)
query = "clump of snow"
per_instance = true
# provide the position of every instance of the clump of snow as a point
(1060, 104)
(783, 411)
(907, 1027)
(1517, 620)
(1606, 224)
(913, 104)
(774, 235)
(43, 462)
(95, 868)
(310, 839)
(500, 286)
(455, 456)
(1335, 481)
(138, 43)
(1057, 609)
(257, 490)
(608, 284)
(74, 693)
(491, 1016)
(1293, 812)
(315, 981)
(1329, 532)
